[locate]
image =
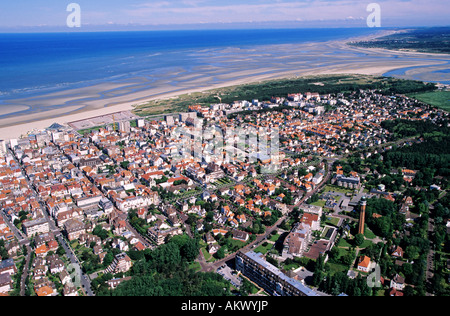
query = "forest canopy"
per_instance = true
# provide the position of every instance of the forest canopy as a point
(165, 271)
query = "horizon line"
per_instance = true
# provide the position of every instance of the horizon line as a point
(148, 28)
(288, 24)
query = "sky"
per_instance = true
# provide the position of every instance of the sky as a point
(42, 14)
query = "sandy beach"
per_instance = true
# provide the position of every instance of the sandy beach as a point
(232, 67)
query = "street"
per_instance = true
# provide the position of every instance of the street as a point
(84, 280)
(76, 271)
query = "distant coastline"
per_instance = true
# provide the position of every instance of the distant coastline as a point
(233, 66)
(434, 40)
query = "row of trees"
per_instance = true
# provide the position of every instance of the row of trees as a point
(441, 243)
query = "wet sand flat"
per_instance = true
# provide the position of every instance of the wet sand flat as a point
(220, 68)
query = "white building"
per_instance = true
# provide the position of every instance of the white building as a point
(37, 226)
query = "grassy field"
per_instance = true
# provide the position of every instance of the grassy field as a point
(368, 233)
(320, 203)
(440, 99)
(335, 188)
(264, 249)
(336, 267)
(344, 243)
(332, 221)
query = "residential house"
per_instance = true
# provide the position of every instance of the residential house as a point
(297, 240)
(55, 264)
(7, 266)
(239, 235)
(364, 264)
(312, 220)
(70, 290)
(6, 283)
(112, 284)
(121, 263)
(37, 226)
(46, 291)
(74, 228)
(397, 252)
(65, 277)
(398, 282)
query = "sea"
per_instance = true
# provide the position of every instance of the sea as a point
(34, 63)
(38, 68)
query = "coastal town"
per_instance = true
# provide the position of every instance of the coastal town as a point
(297, 195)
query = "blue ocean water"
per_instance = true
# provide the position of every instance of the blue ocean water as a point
(36, 62)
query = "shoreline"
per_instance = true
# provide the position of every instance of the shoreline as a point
(198, 82)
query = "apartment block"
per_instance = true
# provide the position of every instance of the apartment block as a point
(269, 277)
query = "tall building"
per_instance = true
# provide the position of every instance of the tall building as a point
(37, 226)
(184, 116)
(269, 277)
(140, 122)
(362, 215)
(121, 263)
(2, 147)
(125, 126)
(169, 120)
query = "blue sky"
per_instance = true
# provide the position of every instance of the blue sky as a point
(157, 13)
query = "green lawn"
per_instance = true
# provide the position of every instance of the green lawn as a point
(264, 249)
(195, 266)
(336, 267)
(89, 130)
(274, 238)
(291, 266)
(366, 244)
(336, 188)
(320, 203)
(207, 255)
(440, 99)
(332, 221)
(342, 251)
(368, 233)
(344, 243)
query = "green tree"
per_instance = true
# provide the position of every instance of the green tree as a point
(220, 254)
(359, 239)
(190, 250)
(100, 232)
(412, 252)
(319, 271)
